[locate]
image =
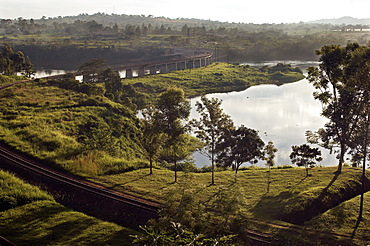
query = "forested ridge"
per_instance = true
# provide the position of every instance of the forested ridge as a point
(51, 42)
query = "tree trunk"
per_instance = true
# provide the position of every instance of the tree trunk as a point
(341, 159)
(362, 186)
(268, 179)
(213, 168)
(363, 177)
(213, 173)
(150, 165)
(306, 171)
(175, 171)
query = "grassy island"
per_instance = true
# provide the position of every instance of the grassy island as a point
(215, 78)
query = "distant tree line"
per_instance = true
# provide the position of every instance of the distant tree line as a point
(123, 37)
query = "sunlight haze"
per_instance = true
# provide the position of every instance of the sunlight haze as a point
(268, 11)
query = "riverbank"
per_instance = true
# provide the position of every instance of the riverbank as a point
(215, 78)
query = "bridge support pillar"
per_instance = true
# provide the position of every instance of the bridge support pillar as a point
(141, 72)
(198, 63)
(188, 64)
(182, 65)
(129, 73)
(153, 70)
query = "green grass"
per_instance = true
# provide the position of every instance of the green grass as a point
(34, 218)
(49, 223)
(53, 124)
(291, 193)
(15, 192)
(343, 219)
(217, 77)
(9, 79)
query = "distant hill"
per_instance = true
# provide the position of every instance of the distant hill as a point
(347, 20)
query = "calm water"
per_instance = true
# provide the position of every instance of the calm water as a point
(281, 114)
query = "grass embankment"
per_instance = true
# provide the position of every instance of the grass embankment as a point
(315, 202)
(9, 79)
(217, 77)
(29, 216)
(86, 135)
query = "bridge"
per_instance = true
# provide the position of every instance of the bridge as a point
(164, 66)
(195, 60)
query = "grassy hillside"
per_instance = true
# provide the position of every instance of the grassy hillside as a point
(29, 216)
(69, 129)
(293, 199)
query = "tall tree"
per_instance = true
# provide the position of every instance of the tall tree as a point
(153, 138)
(211, 126)
(340, 104)
(12, 63)
(173, 111)
(306, 156)
(269, 152)
(112, 81)
(238, 146)
(358, 70)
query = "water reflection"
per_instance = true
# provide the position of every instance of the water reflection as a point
(44, 73)
(281, 114)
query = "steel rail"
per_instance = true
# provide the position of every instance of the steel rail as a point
(81, 184)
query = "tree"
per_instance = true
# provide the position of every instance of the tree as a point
(12, 63)
(92, 70)
(358, 70)
(28, 70)
(211, 126)
(112, 83)
(173, 110)
(152, 139)
(306, 156)
(238, 146)
(361, 153)
(340, 103)
(269, 152)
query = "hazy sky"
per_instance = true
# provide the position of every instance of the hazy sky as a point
(257, 11)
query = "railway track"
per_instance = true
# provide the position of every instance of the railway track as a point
(80, 194)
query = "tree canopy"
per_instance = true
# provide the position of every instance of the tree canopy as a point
(211, 126)
(342, 87)
(239, 146)
(304, 155)
(173, 110)
(12, 62)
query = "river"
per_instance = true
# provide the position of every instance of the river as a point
(281, 114)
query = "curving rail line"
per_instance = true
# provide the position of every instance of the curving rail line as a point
(80, 194)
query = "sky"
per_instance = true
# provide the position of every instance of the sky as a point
(245, 11)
